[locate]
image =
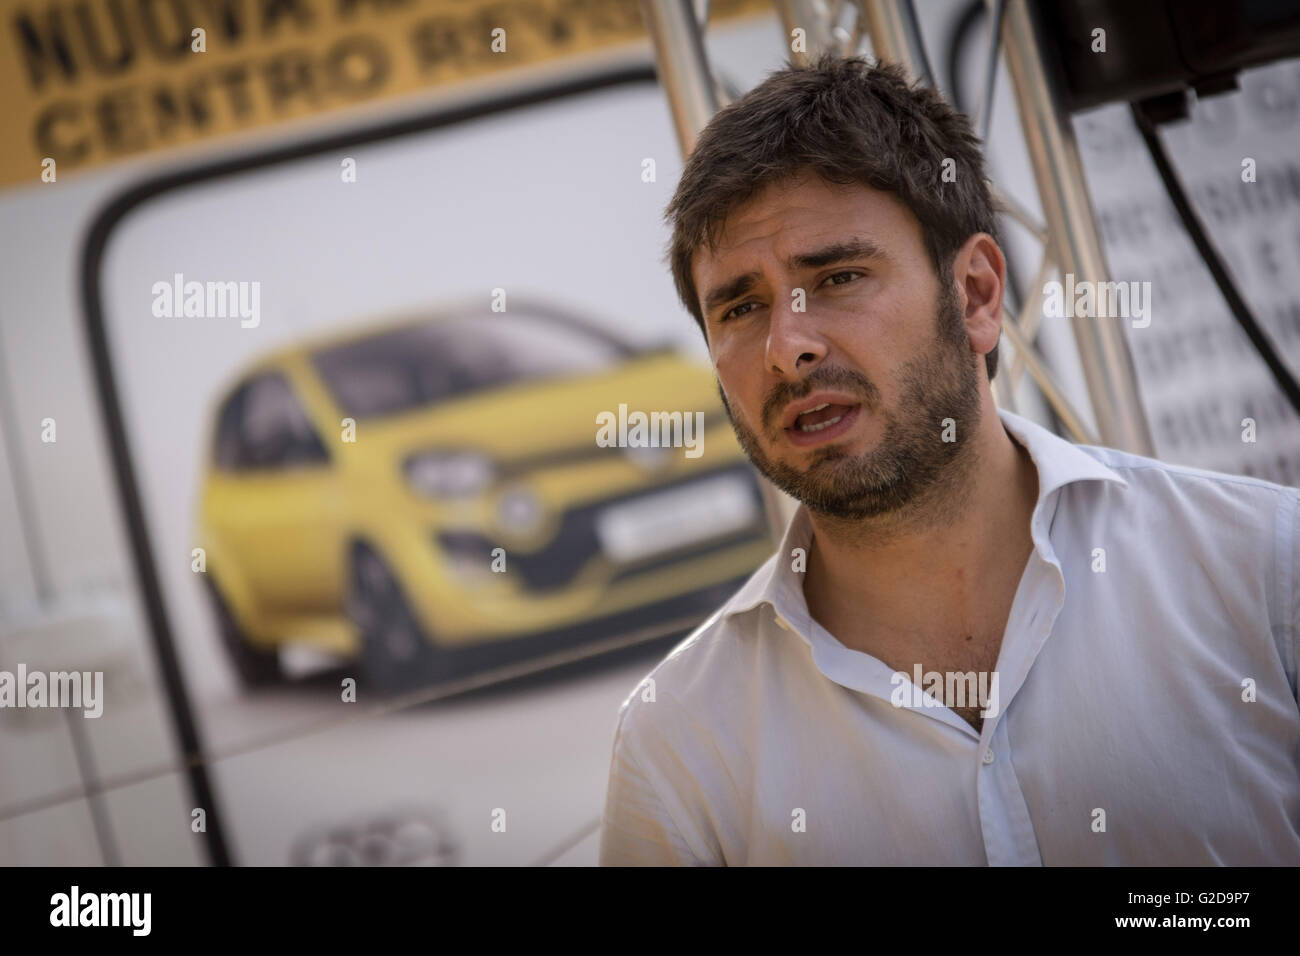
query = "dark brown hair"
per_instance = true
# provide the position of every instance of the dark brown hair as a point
(850, 122)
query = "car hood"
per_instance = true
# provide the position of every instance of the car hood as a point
(531, 418)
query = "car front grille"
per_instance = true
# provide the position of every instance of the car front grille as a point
(575, 543)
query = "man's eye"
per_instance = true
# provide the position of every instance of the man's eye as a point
(848, 272)
(732, 313)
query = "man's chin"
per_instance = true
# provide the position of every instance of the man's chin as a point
(805, 461)
(809, 478)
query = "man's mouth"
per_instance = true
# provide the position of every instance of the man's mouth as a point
(822, 423)
(822, 416)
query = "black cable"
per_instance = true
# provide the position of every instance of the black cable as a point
(971, 15)
(1213, 261)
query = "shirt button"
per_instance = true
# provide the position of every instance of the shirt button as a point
(988, 756)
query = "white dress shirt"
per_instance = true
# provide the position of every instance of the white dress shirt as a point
(1147, 716)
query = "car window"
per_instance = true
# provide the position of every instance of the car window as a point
(226, 452)
(263, 425)
(420, 365)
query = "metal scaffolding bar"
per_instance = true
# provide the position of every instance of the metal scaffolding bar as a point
(683, 66)
(896, 36)
(1063, 191)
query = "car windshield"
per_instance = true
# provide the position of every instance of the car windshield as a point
(420, 365)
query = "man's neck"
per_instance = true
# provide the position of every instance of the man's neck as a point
(939, 572)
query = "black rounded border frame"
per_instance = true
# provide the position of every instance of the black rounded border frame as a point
(92, 258)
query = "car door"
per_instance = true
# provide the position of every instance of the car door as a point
(273, 499)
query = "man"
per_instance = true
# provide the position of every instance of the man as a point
(1115, 638)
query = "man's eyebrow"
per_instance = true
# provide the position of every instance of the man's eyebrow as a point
(731, 289)
(836, 252)
(843, 251)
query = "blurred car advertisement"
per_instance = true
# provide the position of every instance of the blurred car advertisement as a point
(432, 486)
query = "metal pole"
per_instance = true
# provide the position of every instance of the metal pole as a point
(896, 36)
(805, 15)
(683, 67)
(1049, 136)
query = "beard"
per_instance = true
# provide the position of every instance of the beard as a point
(912, 458)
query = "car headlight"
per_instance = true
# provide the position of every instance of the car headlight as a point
(450, 474)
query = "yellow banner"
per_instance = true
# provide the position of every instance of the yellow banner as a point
(85, 82)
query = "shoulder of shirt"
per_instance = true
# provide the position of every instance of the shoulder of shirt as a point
(706, 656)
(1239, 514)
(1129, 465)
(1125, 469)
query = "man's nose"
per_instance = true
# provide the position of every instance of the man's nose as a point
(793, 347)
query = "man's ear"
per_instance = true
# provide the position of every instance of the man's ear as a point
(980, 271)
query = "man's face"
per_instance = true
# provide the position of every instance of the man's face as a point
(881, 342)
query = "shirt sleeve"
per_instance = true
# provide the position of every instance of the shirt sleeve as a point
(636, 827)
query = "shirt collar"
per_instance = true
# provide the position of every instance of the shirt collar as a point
(1058, 462)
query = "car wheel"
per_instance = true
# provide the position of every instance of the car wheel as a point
(397, 654)
(255, 666)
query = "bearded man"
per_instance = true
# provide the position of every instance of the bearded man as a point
(1139, 619)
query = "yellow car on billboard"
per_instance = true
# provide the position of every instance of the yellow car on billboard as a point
(439, 494)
